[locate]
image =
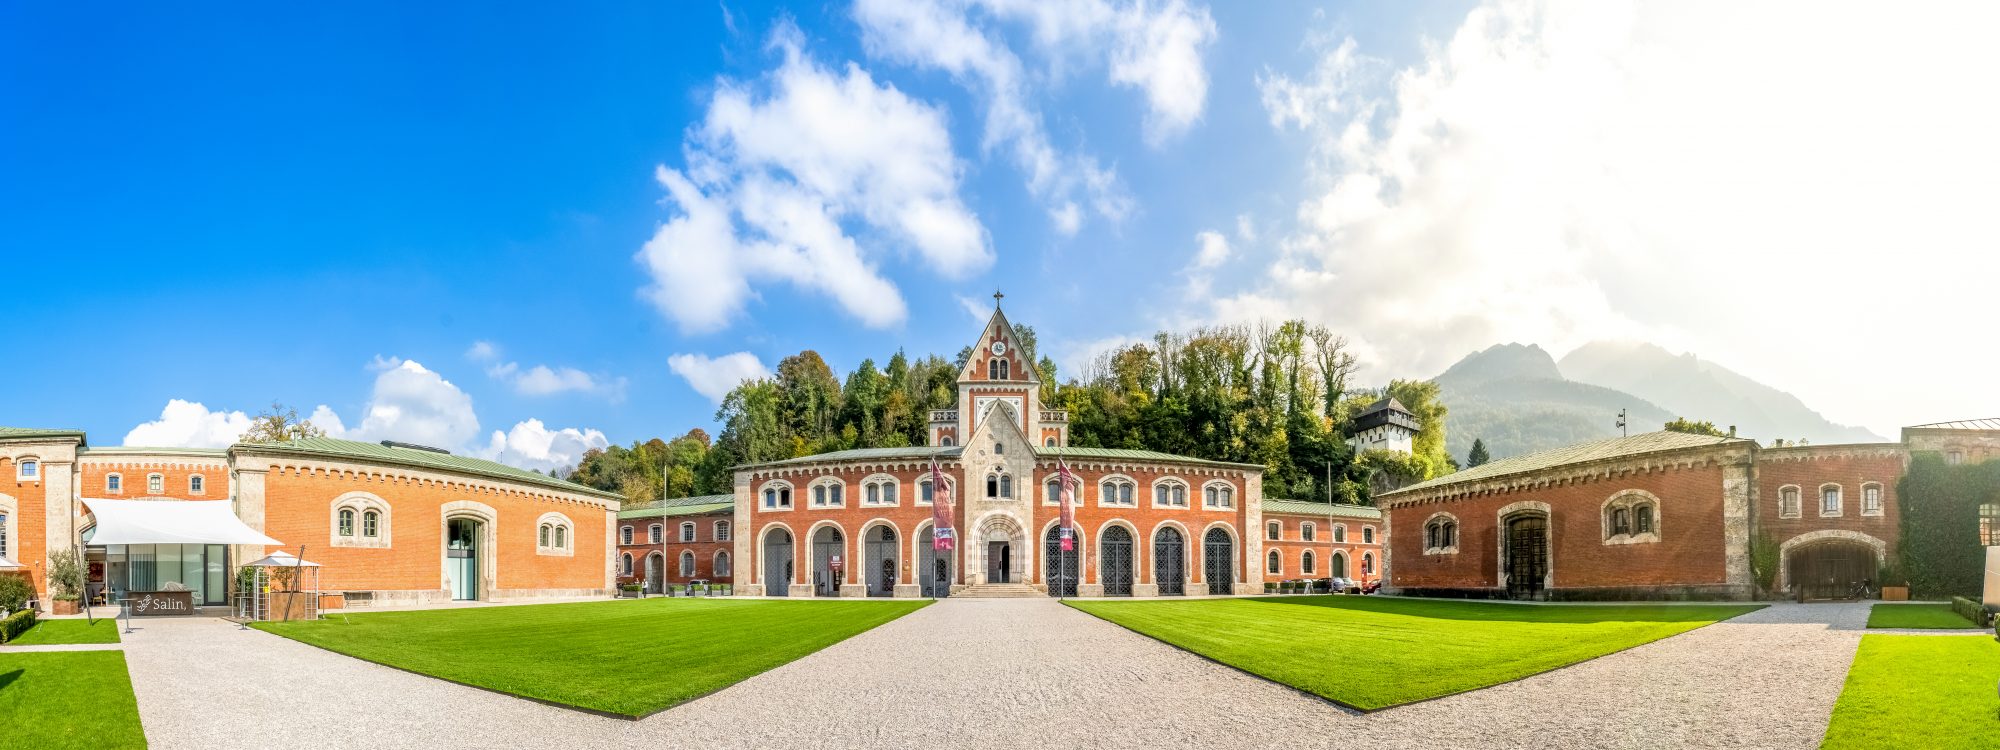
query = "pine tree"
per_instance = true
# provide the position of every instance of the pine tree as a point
(1478, 455)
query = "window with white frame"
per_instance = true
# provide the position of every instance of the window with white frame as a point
(1829, 500)
(687, 532)
(1367, 535)
(360, 520)
(721, 532)
(1218, 496)
(1309, 531)
(114, 484)
(687, 564)
(1367, 563)
(5, 538)
(656, 533)
(944, 441)
(878, 491)
(996, 368)
(625, 535)
(553, 534)
(1631, 517)
(721, 564)
(1116, 491)
(1441, 534)
(1274, 563)
(999, 484)
(1274, 530)
(927, 495)
(1340, 533)
(1871, 499)
(827, 494)
(28, 470)
(197, 484)
(1170, 493)
(347, 522)
(1954, 458)
(156, 484)
(1306, 563)
(777, 496)
(371, 523)
(625, 562)
(1048, 442)
(1788, 502)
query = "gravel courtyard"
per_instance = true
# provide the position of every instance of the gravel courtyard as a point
(1006, 673)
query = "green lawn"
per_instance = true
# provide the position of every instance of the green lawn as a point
(629, 657)
(65, 699)
(1919, 691)
(47, 632)
(1919, 615)
(1377, 652)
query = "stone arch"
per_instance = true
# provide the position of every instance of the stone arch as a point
(1786, 548)
(488, 543)
(996, 526)
(758, 564)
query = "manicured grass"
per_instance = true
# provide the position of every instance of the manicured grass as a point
(630, 658)
(1919, 691)
(1919, 615)
(1376, 652)
(65, 699)
(49, 632)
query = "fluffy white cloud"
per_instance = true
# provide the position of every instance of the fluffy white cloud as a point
(542, 380)
(777, 174)
(1213, 249)
(715, 377)
(483, 351)
(1775, 194)
(1154, 48)
(188, 424)
(532, 445)
(410, 404)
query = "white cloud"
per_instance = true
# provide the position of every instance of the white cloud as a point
(543, 380)
(977, 310)
(188, 424)
(777, 174)
(411, 404)
(1214, 249)
(482, 351)
(715, 377)
(1719, 178)
(531, 445)
(1156, 49)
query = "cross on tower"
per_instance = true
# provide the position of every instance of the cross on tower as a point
(996, 298)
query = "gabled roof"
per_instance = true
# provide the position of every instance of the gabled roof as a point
(679, 506)
(998, 328)
(1386, 403)
(334, 448)
(1964, 424)
(865, 454)
(1313, 508)
(1651, 442)
(31, 433)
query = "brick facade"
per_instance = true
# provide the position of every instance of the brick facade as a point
(713, 549)
(1360, 546)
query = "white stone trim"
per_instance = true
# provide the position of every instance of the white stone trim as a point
(876, 480)
(812, 539)
(108, 489)
(488, 548)
(1839, 500)
(1369, 535)
(361, 503)
(1272, 556)
(1339, 531)
(21, 463)
(1451, 549)
(1881, 499)
(193, 490)
(1798, 508)
(1280, 524)
(1631, 500)
(1880, 547)
(813, 492)
(1240, 551)
(10, 516)
(720, 560)
(1097, 553)
(686, 533)
(757, 561)
(1153, 500)
(656, 533)
(1524, 507)
(561, 544)
(722, 530)
(791, 496)
(1188, 541)
(156, 483)
(1305, 526)
(1117, 477)
(1228, 491)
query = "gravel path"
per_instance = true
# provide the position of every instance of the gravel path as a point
(1007, 673)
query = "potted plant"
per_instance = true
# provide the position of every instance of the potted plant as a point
(1895, 586)
(66, 582)
(631, 591)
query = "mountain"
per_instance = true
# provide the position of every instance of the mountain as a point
(1704, 390)
(1515, 398)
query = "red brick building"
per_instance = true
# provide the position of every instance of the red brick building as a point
(1661, 515)
(1306, 540)
(676, 541)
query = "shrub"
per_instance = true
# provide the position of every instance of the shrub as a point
(1270, 587)
(1764, 560)
(66, 576)
(15, 591)
(1939, 506)
(1971, 610)
(16, 624)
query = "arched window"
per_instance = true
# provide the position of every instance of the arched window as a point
(996, 368)
(562, 537)
(1274, 530)
(1170, 493)
(1306, 563)
(1441, 534)
(721, 564)
(552, 534)
(1115, 491)
(1367, 535)
(1829, 500)
(626, 562)
(1788, 502)
(196, 484)
(945, 441)
(1631, 517)
(1048, 442)
(1989, 524)
(999, 448)
(371, 524)
(721, 531)
(655, 533)
(625, 535)
(1368, 564)
(1274, 563)
(1309, 531)
(777, 496)
(1006, 486)
(114, 483)
(687, 564)
(1871, 499)
(1340, 533)
(347, 522)
(156, 484)
(687, 531)
(544, 536)
(360, 511)
(927, 495)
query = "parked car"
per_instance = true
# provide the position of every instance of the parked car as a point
(1371, 586)
(1341, 585)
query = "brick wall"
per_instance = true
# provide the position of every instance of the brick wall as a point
(27, 510)
(705, 547)
(1851, 469)
(95, 477)
(1292, 546)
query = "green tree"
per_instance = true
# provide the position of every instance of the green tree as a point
(1692, 427)
(1478, 456)
(279, 424)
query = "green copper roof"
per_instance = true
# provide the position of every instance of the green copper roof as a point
(1311, 508)
(1651, 442)
(947, 452)
(333, 448)
(29, 433)
(679, 506)
(866, 454)
(1127, 454)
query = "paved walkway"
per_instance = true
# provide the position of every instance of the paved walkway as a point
(1009, 673)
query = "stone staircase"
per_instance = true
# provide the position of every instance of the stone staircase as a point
(997, 591)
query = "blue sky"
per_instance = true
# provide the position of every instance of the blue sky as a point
(337, 206)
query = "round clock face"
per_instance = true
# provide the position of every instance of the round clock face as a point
(999, 347)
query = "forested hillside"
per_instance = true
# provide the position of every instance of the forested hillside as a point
(1274, 395)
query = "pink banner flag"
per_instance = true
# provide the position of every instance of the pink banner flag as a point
(1066, 482)
(943, 533)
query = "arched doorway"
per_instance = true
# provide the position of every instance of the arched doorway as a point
(1339, 565)
(777, 562)
(1830, 568)
(1525, 555)
(1170, 562)
(1114, 566)
(1001, 540)
(827, 547)
(461, 552)
(656, 573)
(1061, 565)
(933, 566)
(1218, 561)
(882, 561)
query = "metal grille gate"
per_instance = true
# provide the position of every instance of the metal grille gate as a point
(1116, 568)
(1061, 565)
(881, 570)
(1170, 562)
(1830, 570)
(777, 563)
(826, 546)
(1527, 556)
(1217, 563)
(933, 569)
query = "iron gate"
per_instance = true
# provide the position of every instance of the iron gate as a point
(1061, 565)
(656, 573)
(1831, 569)
(1217, 561)
(1170, 562)
(881, 571)
(933, 569)
(827, 544)
(1527, 556)
(1115, 567)
(777, 563)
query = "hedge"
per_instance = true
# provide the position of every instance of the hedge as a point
(16, 624)
(1971, 610)
(1939, 504)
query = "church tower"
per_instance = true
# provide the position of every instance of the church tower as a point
(999, 381)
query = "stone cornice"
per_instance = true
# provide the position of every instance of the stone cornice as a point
(1579, 473)
(284, 465)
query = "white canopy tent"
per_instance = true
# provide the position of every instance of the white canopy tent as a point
(170, 522)
(7, 563)
(283, 560)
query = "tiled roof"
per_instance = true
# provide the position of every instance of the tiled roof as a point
(1312, 508)
(1651, 442)
(679, 506)
(1964, 424)
(865, 454)
(26, 433)
(333, 448)
(1126, 454)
